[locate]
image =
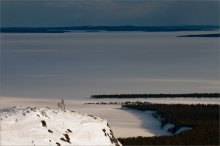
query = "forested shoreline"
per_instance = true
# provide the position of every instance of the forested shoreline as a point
(204, 120)
(109, 28)
(188, 95)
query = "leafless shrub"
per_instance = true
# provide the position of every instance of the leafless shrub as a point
(61, 105)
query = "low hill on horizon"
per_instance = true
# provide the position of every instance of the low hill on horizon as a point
(109, 28)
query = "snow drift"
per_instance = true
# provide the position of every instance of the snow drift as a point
(169, 127)
(44, 126)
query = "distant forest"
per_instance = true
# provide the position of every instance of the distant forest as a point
(204, 120)
(202, 35)
(108, 28)
(189, 95)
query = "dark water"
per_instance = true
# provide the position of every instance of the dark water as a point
(75, 65)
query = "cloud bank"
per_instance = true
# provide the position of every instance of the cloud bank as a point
(109, 12)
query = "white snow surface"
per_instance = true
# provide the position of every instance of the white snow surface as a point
(182, 129)
(168, 127)
(23, 126)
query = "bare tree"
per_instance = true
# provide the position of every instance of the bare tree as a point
(61, 105)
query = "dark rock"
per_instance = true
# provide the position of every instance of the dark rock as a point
(50, 131)
(44, 123)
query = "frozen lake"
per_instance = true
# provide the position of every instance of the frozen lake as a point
(80, 64)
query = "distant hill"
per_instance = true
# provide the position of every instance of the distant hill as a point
(108, 28)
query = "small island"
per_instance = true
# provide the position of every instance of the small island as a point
(202, 35)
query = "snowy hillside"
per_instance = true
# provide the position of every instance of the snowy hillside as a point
(44, 126)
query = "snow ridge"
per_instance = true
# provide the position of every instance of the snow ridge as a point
(44, 126)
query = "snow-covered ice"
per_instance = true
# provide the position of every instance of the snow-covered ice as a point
(45, 126)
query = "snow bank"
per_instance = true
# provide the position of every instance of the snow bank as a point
(169, 127)
(173, 129)
(44, 126)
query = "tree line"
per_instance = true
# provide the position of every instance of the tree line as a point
(188, 95)
(108, 28)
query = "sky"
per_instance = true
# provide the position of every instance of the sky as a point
(50, 13)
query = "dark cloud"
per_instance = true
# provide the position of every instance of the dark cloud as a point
(108, 12)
